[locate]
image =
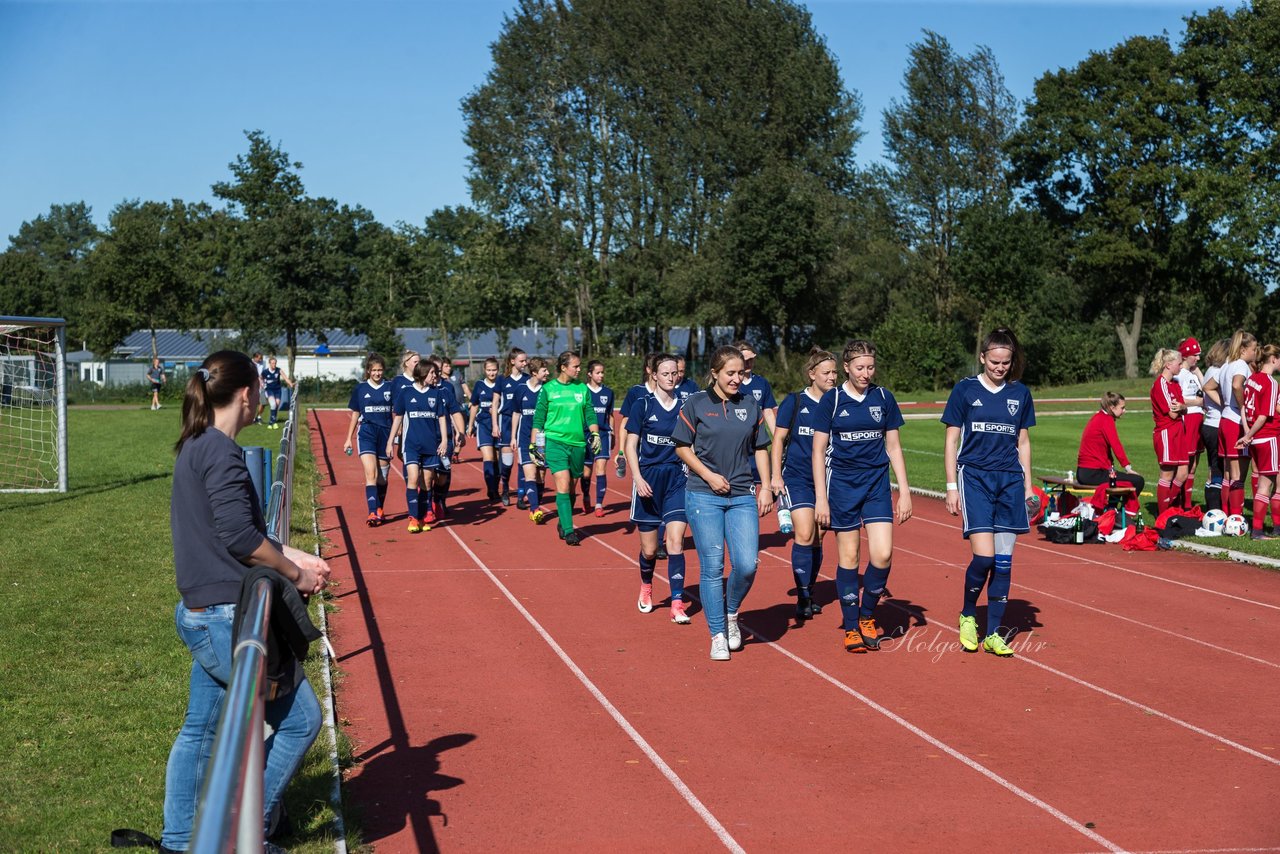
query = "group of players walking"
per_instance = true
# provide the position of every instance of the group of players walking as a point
(715, 460)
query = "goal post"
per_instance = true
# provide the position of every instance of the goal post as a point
(33, 404)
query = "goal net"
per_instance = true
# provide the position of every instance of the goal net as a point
(33, 405)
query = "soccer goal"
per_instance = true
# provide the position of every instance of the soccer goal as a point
(33, 404)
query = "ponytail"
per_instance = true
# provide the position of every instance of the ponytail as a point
(212, 386)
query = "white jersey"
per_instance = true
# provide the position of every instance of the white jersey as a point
(1189, 381)
(1231, 406)
(1212, 411)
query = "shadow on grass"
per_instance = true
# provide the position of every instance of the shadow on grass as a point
(42, 499)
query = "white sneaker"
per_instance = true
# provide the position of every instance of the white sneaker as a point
(735, 633)
(719, 648)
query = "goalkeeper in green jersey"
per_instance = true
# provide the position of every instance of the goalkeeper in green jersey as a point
(563, 415)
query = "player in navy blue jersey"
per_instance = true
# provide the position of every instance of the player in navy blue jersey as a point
(483, 427)
(456, 436)
(685, 387)
(421, 410)
(758, 387)
(408, 361)
(657, 485)
(790, 455)
(633, 394)
(855, 442)
(272, 378)
(503, 409)
(602, 402)
(526, 407)
(370, 407)
(988, 466)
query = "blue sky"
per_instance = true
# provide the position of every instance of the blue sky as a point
(104, 101)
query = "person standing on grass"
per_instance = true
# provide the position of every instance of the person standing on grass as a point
(988, 468)
(791, 455)
(855, 442)
(719, 437)
(1214, 360)
(420, 410)
(602, 403)
(658, 482)
(1229, 386)
(218, 534)
(370, 406)
(484, 393)
(1101, 450)
(1191, 381)
(1169, 435)
(564, 426)
(526, 408)
(1262, 435)
(273, 377)
(157, 378)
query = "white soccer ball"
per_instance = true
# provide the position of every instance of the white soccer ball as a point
(1215, 520)
(1235, 526)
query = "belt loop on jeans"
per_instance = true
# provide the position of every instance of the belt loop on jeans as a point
(197, 610)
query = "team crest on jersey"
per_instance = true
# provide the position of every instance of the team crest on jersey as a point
(604, 398)
(577, 397)
(757, 393)
(741, 413)
(386, 395)
(875, 413)
(1013, 406)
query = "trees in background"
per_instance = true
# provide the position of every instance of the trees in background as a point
(640, 165)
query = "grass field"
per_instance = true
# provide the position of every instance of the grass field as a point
(93, 678)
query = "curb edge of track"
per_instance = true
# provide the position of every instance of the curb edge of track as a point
(1211, 551)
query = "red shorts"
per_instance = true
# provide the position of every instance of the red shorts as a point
(1265, 454)
(1191, 433)
(1170, 445)
(1228, 434)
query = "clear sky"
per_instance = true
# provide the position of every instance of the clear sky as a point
(105, 101)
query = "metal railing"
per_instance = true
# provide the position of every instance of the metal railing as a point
(229, 817)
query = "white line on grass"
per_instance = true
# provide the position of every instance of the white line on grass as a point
(919, 733)
(674, 779)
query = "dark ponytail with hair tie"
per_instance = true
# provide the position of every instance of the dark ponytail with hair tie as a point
(212, 386)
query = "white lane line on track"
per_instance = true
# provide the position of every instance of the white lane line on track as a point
(919, 733)
(674, 779)
(1180, 635)
(1059, 554)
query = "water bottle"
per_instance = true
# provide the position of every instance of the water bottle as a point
(784, 514)
(1079, 530)
(1112, 481)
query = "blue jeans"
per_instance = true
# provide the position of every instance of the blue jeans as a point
(294, 718)
(715, 521)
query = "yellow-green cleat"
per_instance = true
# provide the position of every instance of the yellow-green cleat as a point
(995, 645)
(969, 633)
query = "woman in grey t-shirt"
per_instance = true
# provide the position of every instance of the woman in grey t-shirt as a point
(719, 433)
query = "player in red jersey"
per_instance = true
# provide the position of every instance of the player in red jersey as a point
(1262, 433)
(1169, 435)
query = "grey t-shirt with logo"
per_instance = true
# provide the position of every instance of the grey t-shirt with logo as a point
(724, 435)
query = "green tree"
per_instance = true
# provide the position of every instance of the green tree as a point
(946, 140)
(1102, 155)
(60, 242)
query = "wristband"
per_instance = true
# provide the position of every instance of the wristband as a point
(952, 487)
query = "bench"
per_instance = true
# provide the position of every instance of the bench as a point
(1056, 487)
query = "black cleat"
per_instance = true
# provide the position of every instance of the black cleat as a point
(804, 609)
(572, 538)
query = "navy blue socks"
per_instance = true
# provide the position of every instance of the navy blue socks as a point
(675, 574)
(873, 584)
(998, 592)
(975, 578)
(847, 590)
(647, 565)
(802, 568)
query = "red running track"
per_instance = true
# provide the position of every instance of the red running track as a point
(503, 692)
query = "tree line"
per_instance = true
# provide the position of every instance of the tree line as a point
(637, 165)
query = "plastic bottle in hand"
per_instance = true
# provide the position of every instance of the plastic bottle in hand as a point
(784, 514)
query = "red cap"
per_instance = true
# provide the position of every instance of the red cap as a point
(1190, 347)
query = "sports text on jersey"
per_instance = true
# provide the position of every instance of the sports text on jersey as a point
(859, 435)
(992, 427)
(659, 440)
(802, 430)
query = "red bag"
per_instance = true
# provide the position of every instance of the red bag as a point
(1139, 542)
(1100, 499)
(1044, 503)
(1106, 522)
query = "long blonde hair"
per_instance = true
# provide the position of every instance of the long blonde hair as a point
(1164, 354)
(1239, 341)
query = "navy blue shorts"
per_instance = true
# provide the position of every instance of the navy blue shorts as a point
(992, 502)
(666, 505)
(606, 444)
(506, 430)
(858, 497)
(372, 439)
(484, 434)
(523, 457)
(415, 456)
(800, 493)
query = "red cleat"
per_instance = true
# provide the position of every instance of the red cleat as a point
(599, 512)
